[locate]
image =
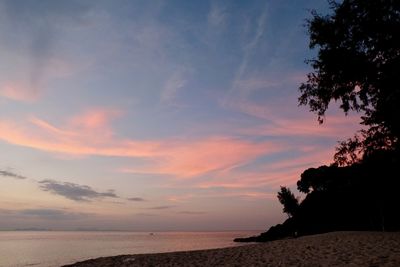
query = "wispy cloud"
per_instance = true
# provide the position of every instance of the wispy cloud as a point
(237, 89)
(250, 46)
(91, 134)
(172, 86)
(136, 199)
(144, 214)
(74, 191)
(39, 30)
(197, 157)
(161, 207)
(268, 175)
(229, 192)
(83, 135)
(334, 127)
(180, 198)
(192, 212)
(217, 15)
(19, 91)
(11, 174)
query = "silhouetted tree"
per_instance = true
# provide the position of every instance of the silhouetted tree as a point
(313, 178)
(358, 64)
(288, 200)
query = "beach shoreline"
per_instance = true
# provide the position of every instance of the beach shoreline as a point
(329, 249)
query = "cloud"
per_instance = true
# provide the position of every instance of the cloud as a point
(228, 192)
(145, 214)
(19, 91)
(96, 119)
(198, 157)
(192, 212)
(74, 191)
(11, 174)
(36, 36)
(335, 127)
(217, 15)
(172, 86)
(137, 199)
(161, 207)
(249, 48)
(245, 182)
(82, 135)
(90, 133)
(180, 198)
(253, 98)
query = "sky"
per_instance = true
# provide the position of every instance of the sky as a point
(156, 115)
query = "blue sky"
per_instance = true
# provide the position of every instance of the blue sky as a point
(155, 115)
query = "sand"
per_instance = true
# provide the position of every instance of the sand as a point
(330, 249)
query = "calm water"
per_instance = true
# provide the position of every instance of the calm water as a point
(57, 248)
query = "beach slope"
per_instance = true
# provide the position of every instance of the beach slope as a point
(330, 249)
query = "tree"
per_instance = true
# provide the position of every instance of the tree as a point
(288, 200)
(358, 64)
(316, 179)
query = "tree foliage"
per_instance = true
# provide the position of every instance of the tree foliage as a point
(288, 200)
(358, 64)
(314, 179)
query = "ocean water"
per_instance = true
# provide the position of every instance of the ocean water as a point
(55, 248)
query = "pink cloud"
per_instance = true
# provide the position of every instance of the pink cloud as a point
(191, 158)
(270, 175)
(245, 194)
(29, 86)
(88, 134)
(334, 126)
(252, 180)
(276, 119)
(91, 134)
(281, 116)
(95, 121)
(19, 92)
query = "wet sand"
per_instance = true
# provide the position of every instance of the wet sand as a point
(330, 249)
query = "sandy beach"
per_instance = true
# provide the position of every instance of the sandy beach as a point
(330, 249)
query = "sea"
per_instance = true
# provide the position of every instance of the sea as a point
(56, 248)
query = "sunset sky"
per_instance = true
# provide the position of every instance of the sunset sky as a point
(155, 115)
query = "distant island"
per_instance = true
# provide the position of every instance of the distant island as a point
(31, 229)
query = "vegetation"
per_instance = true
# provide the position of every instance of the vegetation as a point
(289, 201)
(358, 64)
